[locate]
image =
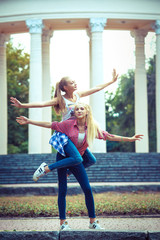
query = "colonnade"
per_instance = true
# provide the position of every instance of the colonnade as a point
(39, 89)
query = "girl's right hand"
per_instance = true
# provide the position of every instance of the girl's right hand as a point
(114, 76)
(22, 120)
(15, 102)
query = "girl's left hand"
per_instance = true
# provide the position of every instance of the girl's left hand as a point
(135, 138)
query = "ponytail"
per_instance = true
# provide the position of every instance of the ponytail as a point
(60, 106)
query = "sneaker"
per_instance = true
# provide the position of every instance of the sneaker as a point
(64, 226)
(95, 225)
(39, 172)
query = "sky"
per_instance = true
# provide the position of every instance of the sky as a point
(69, 54)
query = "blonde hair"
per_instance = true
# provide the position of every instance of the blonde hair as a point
(60, 106)
(93, 129)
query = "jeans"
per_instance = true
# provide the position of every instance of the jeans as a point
(88, 160)
(74, 158)
(80, 174)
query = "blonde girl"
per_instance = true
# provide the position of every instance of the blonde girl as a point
(81, 130)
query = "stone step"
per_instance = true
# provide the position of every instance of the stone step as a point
(73, 181)
(111, 167)
(49, 189)
(81, 235)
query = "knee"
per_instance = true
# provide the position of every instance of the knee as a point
(62, 189)
(78, 160)
(62, 193)
(87, 190)
(93, 160)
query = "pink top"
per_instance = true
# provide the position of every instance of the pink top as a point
(70, 128)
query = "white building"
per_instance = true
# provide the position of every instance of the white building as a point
(40, 18)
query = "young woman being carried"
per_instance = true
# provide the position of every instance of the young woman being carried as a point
(82, 130)
(65, 104)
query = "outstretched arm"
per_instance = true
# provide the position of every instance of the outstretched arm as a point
(124, 139)
(99, 87)
(15, 102)
(24, 120)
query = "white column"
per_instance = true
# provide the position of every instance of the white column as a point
(35, 89)
(46, 88)
(97, 101)
(90, 57)
(3, 95)
(141, 102)
(157, 30)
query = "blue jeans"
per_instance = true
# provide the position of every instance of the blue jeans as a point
(88, 160)
(74, 158)
(80, 174)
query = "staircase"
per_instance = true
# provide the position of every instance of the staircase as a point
(110, 167)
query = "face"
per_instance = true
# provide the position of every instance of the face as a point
(80, 112)
(71, 85)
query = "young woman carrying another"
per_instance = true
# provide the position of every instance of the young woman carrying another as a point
(65, 104)
(82, 130)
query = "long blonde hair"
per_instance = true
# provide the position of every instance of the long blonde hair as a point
(93, 129)
(60, 106)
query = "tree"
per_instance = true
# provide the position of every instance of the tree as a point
(17, 79)
(151, 103)
(18, 86)
(120, 110)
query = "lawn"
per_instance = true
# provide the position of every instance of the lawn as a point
(106, 204)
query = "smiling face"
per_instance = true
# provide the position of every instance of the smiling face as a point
(80, 111)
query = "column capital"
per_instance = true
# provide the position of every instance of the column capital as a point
(35, 25)
(156, 27)
(4, 38)
(46, 35)
(139, 35)
(97, 24)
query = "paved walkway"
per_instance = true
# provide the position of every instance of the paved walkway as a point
(77, 184)
(109, 223)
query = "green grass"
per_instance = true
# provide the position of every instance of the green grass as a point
(105, 204)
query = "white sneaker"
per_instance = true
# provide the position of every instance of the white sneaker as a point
(95, 225)
(39, 172)
(64, 226)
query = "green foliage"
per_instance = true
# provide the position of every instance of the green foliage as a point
(138, 203)
(151, 104)
(55, 117)
(120, 111)
(17, 79)
(18, 87)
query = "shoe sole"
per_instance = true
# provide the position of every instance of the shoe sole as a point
(35, 179)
